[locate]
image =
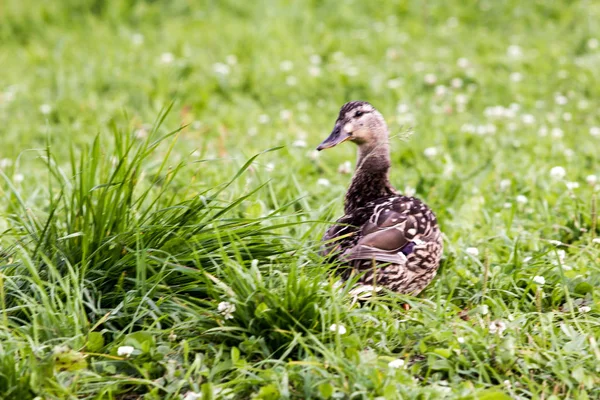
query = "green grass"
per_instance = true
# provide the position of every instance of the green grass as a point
(157, 169)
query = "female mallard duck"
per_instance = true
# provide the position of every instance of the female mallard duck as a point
(389, 239)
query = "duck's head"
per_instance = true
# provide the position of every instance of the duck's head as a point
(358, 122)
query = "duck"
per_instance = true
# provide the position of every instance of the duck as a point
(389, 240)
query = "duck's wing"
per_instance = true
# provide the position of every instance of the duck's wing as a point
(397, 225)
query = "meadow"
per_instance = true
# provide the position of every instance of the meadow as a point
(162, 201)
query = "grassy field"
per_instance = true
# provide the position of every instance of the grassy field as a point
(162, 203)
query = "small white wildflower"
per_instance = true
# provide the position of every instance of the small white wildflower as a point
(543, 131)
(569, 153)
(461, 99)
(397, 363)
(456, 83)
(45, 109)
(345, 167)
(557, 173)
(402, 108)
(192, 396)
(18, 178)
(560, 99)
(557, 133)
(507, 205)
(315, 59)
(231, 59)
(323, 182)
(394, 83)
(516, 77)
(521, 199)
(572, 185)
(555, 242)
(172, 336)
(137, 39)
(484, 309)
(263, 119)
(440, 90)
(430, 79)
(473, 251)
(583, 104)
(286, 65)
(299, 143)
(125, 351)
(567, 116)
(528, 119)
(285, 114)
(141, 133)
(514, 51)
(596, 240)
(5, 163)
(167, 58)
(460, 339)
(539, 280)
(314, 154)
(593, 43)
(341, 329)
(591, 180)
(497, 326)
(430, 152)
(226, 309)
(313, 70)
(462, 62)
(505, 184)
(221, 68)
(595, 131)
(585, 309)
(270, 167)
(291, 81)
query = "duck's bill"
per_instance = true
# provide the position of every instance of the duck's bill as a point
(336, 137)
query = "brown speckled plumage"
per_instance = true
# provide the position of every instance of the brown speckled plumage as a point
(388, 239)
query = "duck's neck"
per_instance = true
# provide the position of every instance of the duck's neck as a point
(370, 180)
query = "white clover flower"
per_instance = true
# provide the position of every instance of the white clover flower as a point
(323, 182)
(593, 43)
(286, 65)
(231, 59)
(462, 62)
(572, 185)
(567, 116)
(263, 119)
(397, 363)
(402, 108)
(5, 163)
(497, 327)
(514, 51)
(299, 143)
(221, 68)
(285, 114)
(167, 58)
(430, 152)
(468, 128)
(591, 180)
(507, 205)
(557, 173)
(460, 339)
(345, 167)
(473, 251)
(270, 167)
(340, 329)
(125, 351)
(313, 70)
(585, 309)
(291, 81)
(394, 83)
(456, 83)
(440, 90)
(461, 98)
(137, 39)
(528, 119)
(505, 184)
(18, 178)
(539, 280)
(516, 77)
(596, 240)
(595, 131)
(543, 131)
(141, 133)
(313, 155)
(583, 104)
(315, 59)
(484, 309)
(409, 191)
(521, 199)
(430, 79)
(45, 109)
(226, 309)
(560, 99)
(557, 133)
(569, 153)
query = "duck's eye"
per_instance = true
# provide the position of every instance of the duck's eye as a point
(358, 114)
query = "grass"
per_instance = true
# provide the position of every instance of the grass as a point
(160, 192)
